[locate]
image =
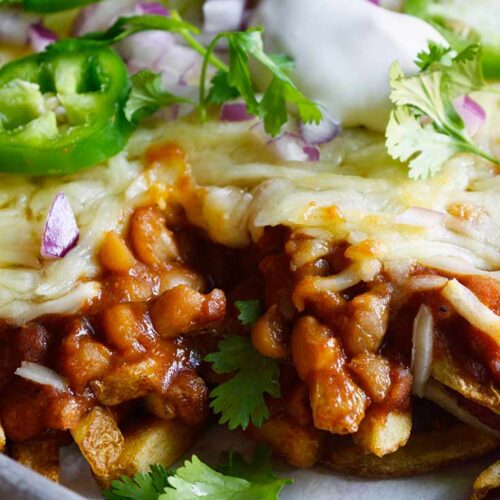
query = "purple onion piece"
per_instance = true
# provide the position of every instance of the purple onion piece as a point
(319, 133)
(376, 2)
(40, 37)
(291, 147)
(472, 114)
(235, 112)
(223, 15)
(152, 8)
(312, 152)
(61, 233)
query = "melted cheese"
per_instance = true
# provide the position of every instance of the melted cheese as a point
(356, 193)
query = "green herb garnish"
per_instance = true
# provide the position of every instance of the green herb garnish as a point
(237, 480)
(148, 96)
(424, 128)
(250, 311)
(240, 400)
(231, 81)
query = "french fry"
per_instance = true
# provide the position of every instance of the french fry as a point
(382, 434)
(100, 441)
(3, 440)
(447, 371)
(300, 445)
(130, 381)
(488, 480)
(153, 441)
(41, 455)
(424, 452)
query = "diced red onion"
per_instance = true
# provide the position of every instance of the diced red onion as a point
(235, 112)
(420, 217)
(14, 26)
(291, 147)
(61, 233)
(223, 15)
(472, 114)
(39, 37)
(319, 133)
(151, 8)
(376, 2)
(41, 375)
(312, 152)
(422, 349)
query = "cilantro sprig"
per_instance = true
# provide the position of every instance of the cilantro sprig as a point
(240, 400)
(235, 480)
(231, 81)
(237, 81)
(424, 128)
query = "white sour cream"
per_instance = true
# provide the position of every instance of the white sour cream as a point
(343, 50)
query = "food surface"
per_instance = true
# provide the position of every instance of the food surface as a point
(275, 231)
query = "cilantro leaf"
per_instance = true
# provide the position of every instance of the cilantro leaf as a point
(281, 92)
(195, 479)
(428, 97)
(148, 96)
(408, 139)
(238, 480)
(221, 91)
(240, 400)
(143, 486)
(435, 54)
(250, 310)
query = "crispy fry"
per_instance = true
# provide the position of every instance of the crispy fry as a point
(383, 433)
(300, 445)
(488, 480)
(153, 441)
(447, 370)
(130, 381)
(41, 455)
(425, 452)
(100, 441)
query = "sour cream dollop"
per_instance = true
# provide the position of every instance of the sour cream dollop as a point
(343, 50)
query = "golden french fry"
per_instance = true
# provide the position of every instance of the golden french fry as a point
(41, 455)
(130, 381)
(382, 434)
(100, 441)
(424, 452)
(488, 480)
(448, 372)
(153, 441)
(300, 445)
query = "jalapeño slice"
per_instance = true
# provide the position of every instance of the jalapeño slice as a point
(62, 111)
